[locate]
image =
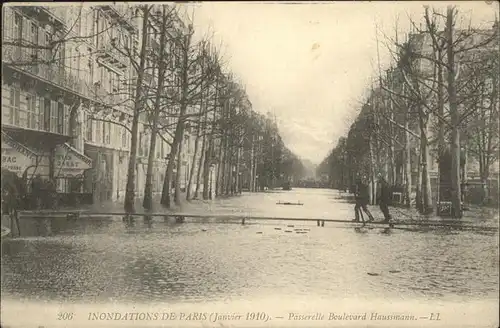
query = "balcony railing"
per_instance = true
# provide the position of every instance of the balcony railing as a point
(120, 13)
(109, 54)
(56, 75)
(25, 60)
(43, 14)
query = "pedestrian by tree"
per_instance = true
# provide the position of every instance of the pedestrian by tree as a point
(362, 199)
(385, 198)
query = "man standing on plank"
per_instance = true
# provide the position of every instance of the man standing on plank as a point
(385, 198)
(362, 199)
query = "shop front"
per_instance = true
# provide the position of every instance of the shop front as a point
(16, 157)
(46, 164)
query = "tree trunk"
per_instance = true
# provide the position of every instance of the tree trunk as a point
(373, 185)
(148, 188)
(455, 120)
(147, 202)
(251, 177)
(407, 162)
(179, 130)
(464, 174)
(418, 191)
(130, 188)
(392, 164)
(206, 170)
(169, 171)
(201, 166)
(220, 167)
(426, 181)
(237, 186)
(178, 176)
(193, 163)
(229, 179)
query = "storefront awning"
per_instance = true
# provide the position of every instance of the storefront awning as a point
(35, 139)
(68, 162)
(17, 157)
(32, 155)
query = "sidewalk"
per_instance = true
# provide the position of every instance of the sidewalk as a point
(487, 216)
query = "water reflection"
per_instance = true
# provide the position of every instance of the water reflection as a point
(150, 259)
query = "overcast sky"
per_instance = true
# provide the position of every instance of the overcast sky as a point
(311, 63)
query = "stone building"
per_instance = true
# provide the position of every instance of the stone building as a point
(471, 46)
(67, 89)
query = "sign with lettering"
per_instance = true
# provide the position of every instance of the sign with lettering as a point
(67, 162)
(14, 160)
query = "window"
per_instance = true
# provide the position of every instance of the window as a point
(141, 137)
(158, 145)
(14, 105)
(98, 131)
(103, 132)
(34, 40)
(53, 116)
(47, 55)
(106, 132)
(162, 146)
(89, 123)
(111, 82)
(62, 57)
(154, 181)
(46, 114)
(33, 113)
(124, 137)
(18, 26)
(60, 118)
(125, 41)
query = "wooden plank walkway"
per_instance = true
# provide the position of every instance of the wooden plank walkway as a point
(180, 217)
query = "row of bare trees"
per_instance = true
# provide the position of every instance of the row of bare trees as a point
(439, 99)
(189, 95)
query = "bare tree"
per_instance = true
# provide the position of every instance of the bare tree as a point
(191, 78)
(162, 59)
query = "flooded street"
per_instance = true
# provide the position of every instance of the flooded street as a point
(273, 266)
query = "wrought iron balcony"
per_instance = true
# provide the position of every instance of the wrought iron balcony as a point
(43, 15)
(22, 59)
(120, 14)
(108, 53)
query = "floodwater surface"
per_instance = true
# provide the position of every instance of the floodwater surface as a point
(278, 268)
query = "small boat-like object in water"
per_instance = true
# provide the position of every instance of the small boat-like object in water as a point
(288, 203)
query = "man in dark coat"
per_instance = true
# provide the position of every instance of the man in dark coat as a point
(362, 197)
(12, 191)
(385, 198)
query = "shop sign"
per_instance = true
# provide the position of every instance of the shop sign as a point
(13, 160)
(66, 163)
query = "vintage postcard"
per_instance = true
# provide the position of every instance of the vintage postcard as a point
(250, 164)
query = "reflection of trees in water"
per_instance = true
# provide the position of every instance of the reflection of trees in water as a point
(54, 226)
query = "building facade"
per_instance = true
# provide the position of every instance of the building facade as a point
(67, 99)
(472, 49)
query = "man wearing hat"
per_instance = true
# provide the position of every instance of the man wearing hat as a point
(385, 198)
(362, 200)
